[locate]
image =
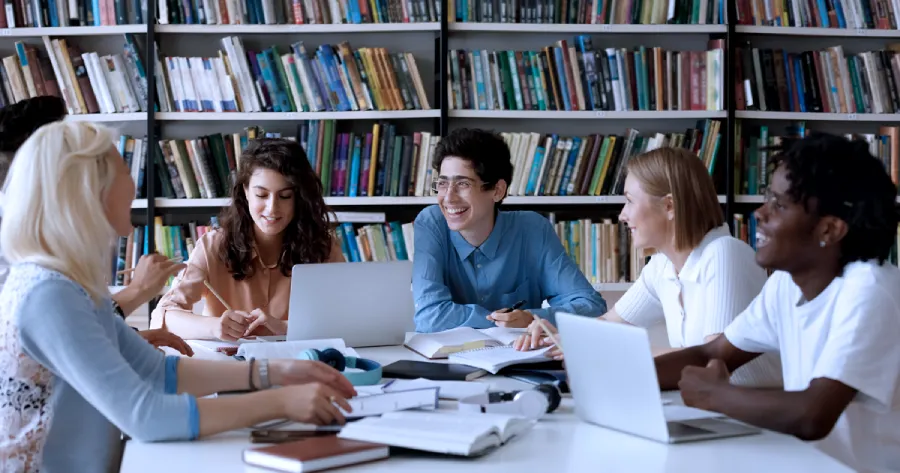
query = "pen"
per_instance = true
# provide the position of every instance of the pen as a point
(547, 331)
(518, 305)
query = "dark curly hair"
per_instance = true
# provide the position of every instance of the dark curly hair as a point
(847, 182)
(307, 238)
(19, 120)
(485, 150)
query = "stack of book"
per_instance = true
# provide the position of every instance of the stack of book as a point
(54, 13)
(392, 241)
(551, 164)
(602, 250)
(381, 162)
(88, 82)
(297, 12)
(855, 14)
(825, 81)
(644, 12)
(576, 76)
(328, 78)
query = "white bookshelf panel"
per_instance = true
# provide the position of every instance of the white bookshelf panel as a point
(810, 116)
(588, 114)
(72, 31)
(586, 28)
(294, 116)
(108, 117)
(299, 29)
(808, 31)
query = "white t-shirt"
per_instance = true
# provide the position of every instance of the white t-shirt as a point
(849, 333)
(718, 281)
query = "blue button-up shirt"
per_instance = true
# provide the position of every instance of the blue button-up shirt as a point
(456, 284)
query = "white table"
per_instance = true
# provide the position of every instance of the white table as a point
(558, 443)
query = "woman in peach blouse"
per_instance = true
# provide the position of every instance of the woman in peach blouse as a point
(278, 218)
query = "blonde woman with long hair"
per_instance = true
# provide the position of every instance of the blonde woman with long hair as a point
(73, 375)
(700, 277)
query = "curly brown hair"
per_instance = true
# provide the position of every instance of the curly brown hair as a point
(307, 239)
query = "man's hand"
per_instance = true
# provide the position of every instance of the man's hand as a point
(698, 385)
(164, 338)
(513, 319)
(288, 372)
(536, 338)
(258, 318)
(152, 272)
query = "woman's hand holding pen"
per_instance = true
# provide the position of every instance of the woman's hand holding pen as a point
(512, 317)
(538, 338)
(258, 318)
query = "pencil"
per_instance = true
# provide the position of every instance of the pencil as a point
(213, 291)
(126, 271)
(546, 330)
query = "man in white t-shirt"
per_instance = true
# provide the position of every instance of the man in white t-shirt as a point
(831, 309)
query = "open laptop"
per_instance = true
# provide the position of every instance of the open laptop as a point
(366, 304)
(613, 381)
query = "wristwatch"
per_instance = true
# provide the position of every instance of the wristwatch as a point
(264, 382)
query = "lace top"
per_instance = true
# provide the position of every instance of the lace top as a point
(72, 374)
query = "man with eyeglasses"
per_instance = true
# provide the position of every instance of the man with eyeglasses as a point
(476, 266)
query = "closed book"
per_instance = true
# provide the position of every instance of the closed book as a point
(314, 454)
(409, 369)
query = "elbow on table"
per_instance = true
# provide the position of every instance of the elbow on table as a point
(813, 426)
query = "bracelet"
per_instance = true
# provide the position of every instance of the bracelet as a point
(264, 374)
(117, 309)
(252, 387)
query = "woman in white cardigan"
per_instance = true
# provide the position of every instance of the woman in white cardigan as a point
(700, 277)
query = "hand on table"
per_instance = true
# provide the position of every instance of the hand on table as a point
(287, 372)
(313, 403)
(536, 338)
(231, 326)
(164, 338)
(512, 319)
(258, 318)
(698, 384)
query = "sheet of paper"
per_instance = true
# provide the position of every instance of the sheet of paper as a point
(493, 359)
(677, 412)
(505, 335)
(292, 349)
(455, 390)
(377, 404)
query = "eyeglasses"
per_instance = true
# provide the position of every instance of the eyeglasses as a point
(462, 186)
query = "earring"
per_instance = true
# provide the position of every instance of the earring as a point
(822, 244)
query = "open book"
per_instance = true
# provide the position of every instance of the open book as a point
(442, 344)
(448, 432)
(494, 359)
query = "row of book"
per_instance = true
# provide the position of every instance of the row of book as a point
(391, 241)
(172, 241)
(297, 12)
(381, 162)
(332, 78)
(853, 14)
(752, 158)
(134, 151)
(551, 164)
(602, 250)
(577, 76)
(88, 82)
(827, 81)
(639, 12)
(54, 13)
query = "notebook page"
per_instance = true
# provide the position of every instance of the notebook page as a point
(440, 344)
(495, 359)
(504, 335)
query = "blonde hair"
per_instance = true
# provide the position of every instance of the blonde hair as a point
(681, 173)
(53, 210)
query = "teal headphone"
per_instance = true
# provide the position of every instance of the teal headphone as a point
(370, 375)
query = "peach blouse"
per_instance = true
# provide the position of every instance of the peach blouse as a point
(268, 289)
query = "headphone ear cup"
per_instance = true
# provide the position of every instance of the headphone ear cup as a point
(334, 358)
(312, 354)
(553, 396)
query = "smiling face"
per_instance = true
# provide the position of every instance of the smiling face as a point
(786, 235)
(648, 217)
(270, 199)
(464, 201)
(119, 197)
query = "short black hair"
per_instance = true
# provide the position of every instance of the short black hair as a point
(847, 182)
(485, 150)
(19, 120)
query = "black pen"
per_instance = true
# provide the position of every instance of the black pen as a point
(517, 306)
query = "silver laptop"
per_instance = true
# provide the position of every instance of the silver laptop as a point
(366, 304)
(613, 381)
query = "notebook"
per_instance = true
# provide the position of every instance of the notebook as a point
(494, 359)
(411, 369)
(442, 344)
(314, 454)
(448, 432)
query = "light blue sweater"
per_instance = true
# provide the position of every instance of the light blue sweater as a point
(73, 374)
